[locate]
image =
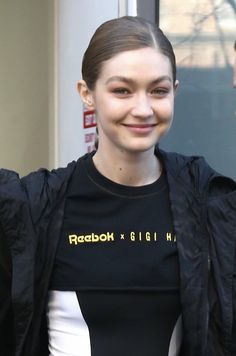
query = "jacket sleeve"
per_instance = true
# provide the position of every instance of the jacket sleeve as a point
(234, 312)
(6, 317)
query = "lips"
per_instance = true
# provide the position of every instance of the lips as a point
(140, 128)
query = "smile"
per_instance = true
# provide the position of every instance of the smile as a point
(140, 125)
(140, 128)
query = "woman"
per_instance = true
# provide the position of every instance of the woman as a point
(108, 255)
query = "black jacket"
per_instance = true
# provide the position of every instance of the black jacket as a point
(203, 205)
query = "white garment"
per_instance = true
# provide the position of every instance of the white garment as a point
(67, 329)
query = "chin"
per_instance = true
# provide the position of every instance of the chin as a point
(139, 148)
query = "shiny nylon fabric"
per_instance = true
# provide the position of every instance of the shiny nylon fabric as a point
(205, 224)
(19, 234)
(26, 213)
(36, 205)
(222, 225)
(188, 206)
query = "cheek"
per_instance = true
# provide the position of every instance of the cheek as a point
(165, 109)
(111, 111)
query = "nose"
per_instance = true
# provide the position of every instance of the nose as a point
(142, 106)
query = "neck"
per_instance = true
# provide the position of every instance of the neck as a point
(129, 169)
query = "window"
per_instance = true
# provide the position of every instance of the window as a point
(203, 33)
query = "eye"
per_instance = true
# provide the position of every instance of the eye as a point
(160, 91)
(121, 91)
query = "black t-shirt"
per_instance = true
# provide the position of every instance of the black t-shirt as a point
(115, 284)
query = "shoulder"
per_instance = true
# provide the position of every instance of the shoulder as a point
(177, 162)
(197, 173)
(49, 180)
(32, 192)
(11, 182)
(190, 169)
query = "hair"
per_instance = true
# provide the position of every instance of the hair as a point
(123, 34)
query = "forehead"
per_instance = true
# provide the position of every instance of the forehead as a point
(145, 62)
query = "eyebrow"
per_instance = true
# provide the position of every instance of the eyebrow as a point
(131, 81)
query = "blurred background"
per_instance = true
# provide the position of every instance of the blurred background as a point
(42, 120)
(203, 33)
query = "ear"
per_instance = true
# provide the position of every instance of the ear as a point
(176, 85)
(85, 94)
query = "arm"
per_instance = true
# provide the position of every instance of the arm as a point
(6, 317)
(234, 313)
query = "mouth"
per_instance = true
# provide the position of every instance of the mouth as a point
(140, 128)
(140, 125)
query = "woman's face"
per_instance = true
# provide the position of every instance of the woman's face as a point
(134, 100)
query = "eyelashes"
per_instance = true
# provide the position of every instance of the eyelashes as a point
(121, 91)
(158, 92)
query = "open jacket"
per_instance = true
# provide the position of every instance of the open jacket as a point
(203, 205)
